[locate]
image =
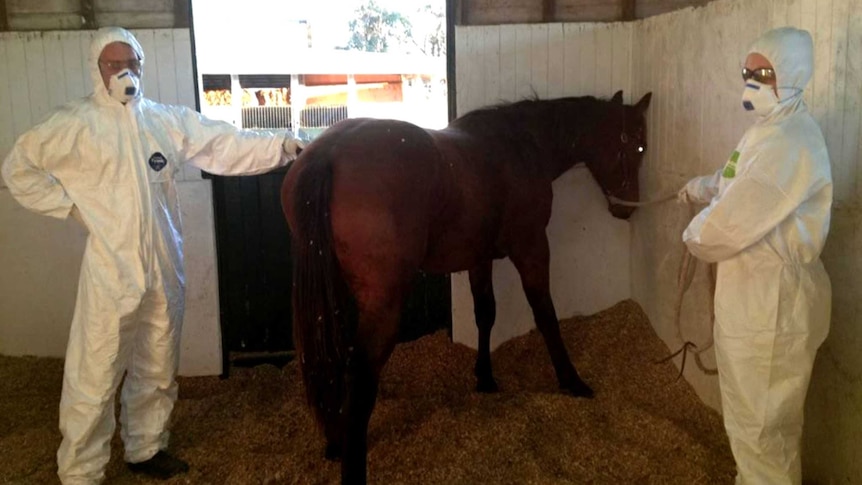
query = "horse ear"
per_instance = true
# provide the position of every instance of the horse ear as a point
(618, 97)
(643, 104)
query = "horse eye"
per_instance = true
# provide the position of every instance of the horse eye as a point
(640, 149)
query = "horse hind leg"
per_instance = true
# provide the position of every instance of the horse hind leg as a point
(375, 339)
(485, 311)
(532, 264)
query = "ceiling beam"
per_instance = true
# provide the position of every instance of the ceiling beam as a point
(549, 10)
(628, 8)
(181, 14)
(4, 17)
(88, 12)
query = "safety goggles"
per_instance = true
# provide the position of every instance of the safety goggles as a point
(763, 75)
(117, 66)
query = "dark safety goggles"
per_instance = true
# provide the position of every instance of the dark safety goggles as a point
(763, 75)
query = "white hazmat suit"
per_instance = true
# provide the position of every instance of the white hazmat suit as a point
(765, 226)
(112, 165)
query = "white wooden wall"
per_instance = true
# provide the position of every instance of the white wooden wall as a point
(690, 60)
(513, 62)
(39, 256)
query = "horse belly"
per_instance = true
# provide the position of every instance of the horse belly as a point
(460, 249)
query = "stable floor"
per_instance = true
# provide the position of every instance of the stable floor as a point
(429, 426)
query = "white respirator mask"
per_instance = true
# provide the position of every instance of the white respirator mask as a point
(124, 86)
(759, 97)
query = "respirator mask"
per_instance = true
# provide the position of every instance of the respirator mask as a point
(124, 86)
(759, 97)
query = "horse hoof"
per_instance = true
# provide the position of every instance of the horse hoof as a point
(487, 387)
(579, 389)
(333, 452)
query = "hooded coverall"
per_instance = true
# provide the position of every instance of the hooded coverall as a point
(115, 163)
(765, 226)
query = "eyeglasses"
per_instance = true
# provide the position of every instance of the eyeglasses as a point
(764, 75)
(131, 64)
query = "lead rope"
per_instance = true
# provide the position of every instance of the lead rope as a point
(685, 275)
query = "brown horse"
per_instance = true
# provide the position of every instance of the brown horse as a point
(371, 202)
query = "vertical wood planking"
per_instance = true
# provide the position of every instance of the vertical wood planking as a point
(808, 21)
(852, 141)
(604, 62)
(477, 75)
(150, 75)
(461, 85)
(18, 85)
(523, 62)
(820, 80)
(463, 39)
(55, 72)
(86, 67)
(7, 136)
(556, 61)
(184, 71)
(508, 83)
(571, 58)
(490, 61)
(587, 68)
(73, 65)
(778, 13)
(539, 59)
(844, 182)
(621, 46)
(163, 41)
(34, 56)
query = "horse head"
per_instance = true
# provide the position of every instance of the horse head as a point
(617, 149)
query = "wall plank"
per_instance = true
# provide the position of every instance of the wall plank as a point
(587, 55)
(55, 73)
(556, 61)
(523, 61)
(491, 65)
(18, 85)
(508, 83)
(539, 59)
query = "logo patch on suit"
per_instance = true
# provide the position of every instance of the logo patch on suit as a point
(158, 161)
(730, 167)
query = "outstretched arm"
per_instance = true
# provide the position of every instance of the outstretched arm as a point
(221, 148)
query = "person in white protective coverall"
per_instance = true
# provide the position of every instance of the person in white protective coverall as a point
(765, 225)
(109, 161)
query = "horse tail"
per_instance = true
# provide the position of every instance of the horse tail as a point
(324, 309)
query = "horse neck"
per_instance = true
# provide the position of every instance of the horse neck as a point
(575, 136)
(543, 132)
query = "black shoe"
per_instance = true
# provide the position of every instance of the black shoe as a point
(161, 466)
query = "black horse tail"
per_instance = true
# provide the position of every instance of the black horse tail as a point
(324, 309)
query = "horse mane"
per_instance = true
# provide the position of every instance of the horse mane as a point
(534, 128)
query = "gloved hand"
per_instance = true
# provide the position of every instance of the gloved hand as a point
(292, 146)
(684, 197)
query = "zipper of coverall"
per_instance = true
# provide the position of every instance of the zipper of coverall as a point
(145, 202)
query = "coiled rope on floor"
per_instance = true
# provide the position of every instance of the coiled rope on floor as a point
(685, 275)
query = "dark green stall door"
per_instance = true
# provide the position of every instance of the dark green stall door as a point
(254, 264)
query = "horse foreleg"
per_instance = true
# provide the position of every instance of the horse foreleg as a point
(532, 264)
(485, 311)
(375, 339)
(549, 327)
